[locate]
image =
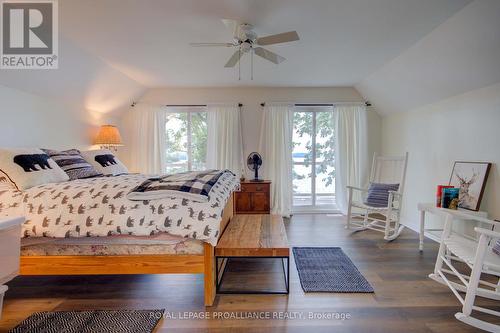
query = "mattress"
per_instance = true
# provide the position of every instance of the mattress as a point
(98, 207)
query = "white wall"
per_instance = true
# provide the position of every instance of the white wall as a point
(28, 120)
(252, 111)
(461, 128)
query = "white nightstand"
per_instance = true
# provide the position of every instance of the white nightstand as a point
(10, 248)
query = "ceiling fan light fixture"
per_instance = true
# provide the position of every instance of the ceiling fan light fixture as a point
(246, 46)
(246, 40)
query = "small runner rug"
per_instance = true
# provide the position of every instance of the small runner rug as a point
(328, 269)
(100, 321)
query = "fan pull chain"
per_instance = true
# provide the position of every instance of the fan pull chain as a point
(239, 64)
(251, 75)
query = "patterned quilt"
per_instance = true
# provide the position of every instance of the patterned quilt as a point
(99, 207)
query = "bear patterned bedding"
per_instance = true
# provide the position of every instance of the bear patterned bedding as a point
(98, 207)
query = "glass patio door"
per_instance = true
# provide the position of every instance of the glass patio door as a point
(186, 136)
(313, 159)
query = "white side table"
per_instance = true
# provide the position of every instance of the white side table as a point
(10, 248)
(462, 214)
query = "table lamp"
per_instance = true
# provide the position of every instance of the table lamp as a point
(108, 137)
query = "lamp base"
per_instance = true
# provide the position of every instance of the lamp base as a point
(113, 148)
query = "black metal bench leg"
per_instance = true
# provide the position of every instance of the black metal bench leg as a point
(286, 275)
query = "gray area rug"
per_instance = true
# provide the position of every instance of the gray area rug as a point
(100, 321)
(328, 269)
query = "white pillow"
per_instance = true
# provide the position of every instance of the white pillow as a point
(105, 162)
(28, 167)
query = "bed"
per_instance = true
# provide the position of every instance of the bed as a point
(88, 226)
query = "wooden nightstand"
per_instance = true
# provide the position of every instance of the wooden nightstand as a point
(254, 198)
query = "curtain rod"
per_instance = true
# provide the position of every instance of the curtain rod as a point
(327, 104)
(191, 105)
(183, 105)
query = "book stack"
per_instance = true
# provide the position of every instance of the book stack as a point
(439, 193)
(450, 198)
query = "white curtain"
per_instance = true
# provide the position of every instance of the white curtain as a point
(224, 139)
(350, 152)
(276, 148)
(148, 151)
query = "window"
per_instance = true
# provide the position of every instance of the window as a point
(313, 158)
(186, 136)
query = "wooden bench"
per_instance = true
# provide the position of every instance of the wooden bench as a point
(253, 236)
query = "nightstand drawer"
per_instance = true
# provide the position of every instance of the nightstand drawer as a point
(254, 187)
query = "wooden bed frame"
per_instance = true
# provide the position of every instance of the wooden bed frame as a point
(134, 264)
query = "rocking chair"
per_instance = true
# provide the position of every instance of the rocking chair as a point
(479, 257)
(385, 170)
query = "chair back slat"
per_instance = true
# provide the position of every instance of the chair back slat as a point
(389, 170)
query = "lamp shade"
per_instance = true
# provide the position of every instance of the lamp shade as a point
(108, 135)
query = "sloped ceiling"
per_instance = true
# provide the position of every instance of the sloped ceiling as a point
(460, 55)
(342, 41)
(82, 79)
(399, 54)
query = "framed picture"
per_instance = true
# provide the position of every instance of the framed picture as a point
(471, 178)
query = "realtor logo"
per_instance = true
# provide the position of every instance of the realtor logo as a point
(29, 34)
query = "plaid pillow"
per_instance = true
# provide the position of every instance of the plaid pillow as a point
(72, 162)
(378, 194)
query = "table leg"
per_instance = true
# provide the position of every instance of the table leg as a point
(286, 275)
(422, 230)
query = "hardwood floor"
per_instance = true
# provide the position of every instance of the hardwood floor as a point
(405, 299)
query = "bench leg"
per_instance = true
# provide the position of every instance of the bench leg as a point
(209, 276)
(220, 270)
(286, 273)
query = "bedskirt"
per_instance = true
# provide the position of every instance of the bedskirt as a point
(75, 247)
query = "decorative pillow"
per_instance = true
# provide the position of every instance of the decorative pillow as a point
(378, 194)
(496, 247)
(105, 162)
(28, 167)
(73, 163)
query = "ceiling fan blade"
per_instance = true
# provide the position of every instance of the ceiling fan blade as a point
(211, 44)
(234, 59)
(268, 55)
(285, 37)
(234, 26)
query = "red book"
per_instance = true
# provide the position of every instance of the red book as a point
(439, 193)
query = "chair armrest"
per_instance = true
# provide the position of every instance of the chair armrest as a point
(486, 232)
(357, 188)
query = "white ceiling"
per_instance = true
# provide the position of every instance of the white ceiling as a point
(342, 41)
(461, 55)
(399, 54)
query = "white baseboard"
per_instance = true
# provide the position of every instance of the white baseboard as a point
(416, 228)
(411, 226)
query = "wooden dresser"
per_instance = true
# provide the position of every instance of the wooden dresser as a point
(254, 198)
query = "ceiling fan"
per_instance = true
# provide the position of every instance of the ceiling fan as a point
(247, 41)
